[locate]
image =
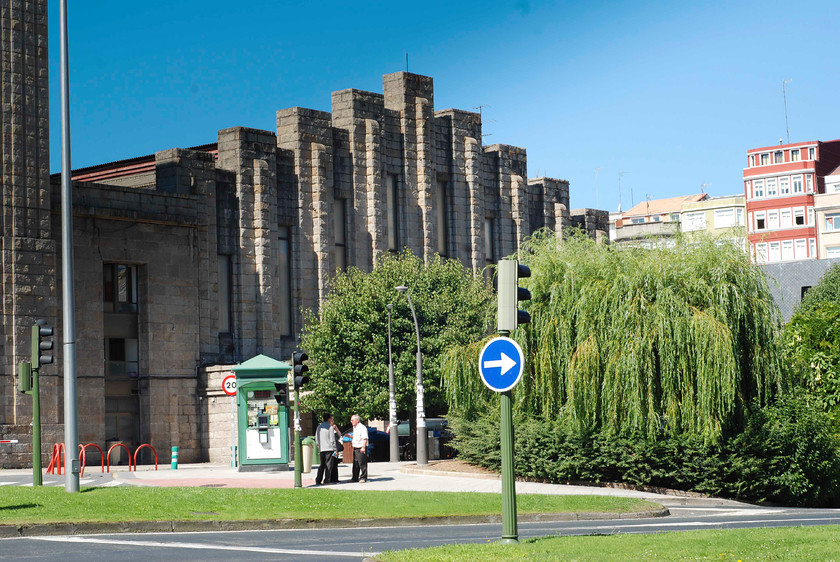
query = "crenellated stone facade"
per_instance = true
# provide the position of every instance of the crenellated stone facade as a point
(191, 260)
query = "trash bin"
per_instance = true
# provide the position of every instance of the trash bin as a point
(347, 453)
(308, 448)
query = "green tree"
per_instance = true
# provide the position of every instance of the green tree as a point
(637, 341)
(347, 340)
(812, 341)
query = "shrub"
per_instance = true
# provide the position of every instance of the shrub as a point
(788, 454)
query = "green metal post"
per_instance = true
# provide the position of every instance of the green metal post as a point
(37, 477)
(510, 533)
(298, 446)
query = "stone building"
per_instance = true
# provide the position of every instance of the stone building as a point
(191, 260)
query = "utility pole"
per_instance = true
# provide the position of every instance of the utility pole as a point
(71, 417)
(619, 189)
(784, 97)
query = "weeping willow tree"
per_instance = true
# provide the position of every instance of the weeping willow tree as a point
(637, 341)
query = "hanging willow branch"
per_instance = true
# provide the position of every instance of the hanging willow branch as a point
(639, 341)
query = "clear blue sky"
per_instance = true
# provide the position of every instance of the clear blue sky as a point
(673, 93)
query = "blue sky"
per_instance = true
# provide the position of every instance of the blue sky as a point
(672, 93)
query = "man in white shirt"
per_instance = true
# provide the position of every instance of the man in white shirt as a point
(360, 444)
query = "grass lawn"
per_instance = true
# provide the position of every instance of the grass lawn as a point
(49, 505)
(779, 543)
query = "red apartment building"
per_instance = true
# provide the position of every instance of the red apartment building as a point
(779, 184)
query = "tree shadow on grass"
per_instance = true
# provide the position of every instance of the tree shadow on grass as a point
(20, 506)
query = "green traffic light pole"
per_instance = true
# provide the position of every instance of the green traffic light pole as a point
(298, 446)
(510, 531)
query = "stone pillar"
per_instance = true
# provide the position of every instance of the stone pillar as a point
(252, 155)
(472, 169)
(27, 247)
(412, 96)
(300, 131)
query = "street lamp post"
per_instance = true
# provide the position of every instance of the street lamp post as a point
(392, 398)
(422, 456)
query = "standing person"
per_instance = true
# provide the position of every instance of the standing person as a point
(325, 436)
(360, 444)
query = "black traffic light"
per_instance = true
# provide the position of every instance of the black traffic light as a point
(39, 345)
(298, 369)
(282, 394)
(510, 294)
(25, 376)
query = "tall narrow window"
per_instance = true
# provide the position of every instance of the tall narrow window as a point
(285, 286)
(812, 153)
(442, 204)
(778, 157)
(392, 211)
(765, 158)
(797, 184)
(784, 185)
(771, 187)
(225, 293)
(794, 155)
(339, 234)
(758, 188)
(809, 183)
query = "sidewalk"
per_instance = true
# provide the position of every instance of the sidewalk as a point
(386, 476)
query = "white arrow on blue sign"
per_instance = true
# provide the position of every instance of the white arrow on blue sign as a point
(501, 364)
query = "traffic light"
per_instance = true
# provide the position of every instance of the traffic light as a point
(25, 376)
(298, 369)
(510, 293)
(282, 395)
(40, 331)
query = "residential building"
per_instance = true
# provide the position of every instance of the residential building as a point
(780, 183)
(653, 221)
(721, 217)
(191, 260)
(827, 213)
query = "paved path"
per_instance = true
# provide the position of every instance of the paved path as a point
(381, 476)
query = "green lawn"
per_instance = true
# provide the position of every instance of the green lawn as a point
(47, 505)
(783, 543)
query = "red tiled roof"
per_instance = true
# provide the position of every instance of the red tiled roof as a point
(663, 206)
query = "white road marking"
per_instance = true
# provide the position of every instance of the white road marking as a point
(791, 521)
(200, 546)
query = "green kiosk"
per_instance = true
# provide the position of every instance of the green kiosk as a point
(262, 421)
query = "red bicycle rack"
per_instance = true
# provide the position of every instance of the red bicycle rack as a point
(138, 450)
(127, 452)
(84, 456)
(57, 459)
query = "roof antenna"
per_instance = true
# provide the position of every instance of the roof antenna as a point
(784, 97)
(703, 187)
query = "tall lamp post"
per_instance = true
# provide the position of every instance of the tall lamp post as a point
(392, 398)
(422, 456)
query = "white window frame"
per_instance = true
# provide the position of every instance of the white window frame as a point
(784, 186)
(832, 222)
(761, 252)
(725, 218)
(778, 157)
(800, 250)
(694, 221)
(832, 251)
(760, 216)
(787, 250)
(796, 181)
(785, 218)
(758, 189)
(775, 252)
(773, 219)
(794, 155)
(809, 183)
(739, 216)
(765, 158)
(810, 216)
(799, 212)
(770, 183)
(812, 153)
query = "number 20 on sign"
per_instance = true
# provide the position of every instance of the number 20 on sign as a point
(229, 385)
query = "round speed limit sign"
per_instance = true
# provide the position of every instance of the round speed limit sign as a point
(229, 385)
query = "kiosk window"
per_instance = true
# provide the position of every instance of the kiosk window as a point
(262, 408)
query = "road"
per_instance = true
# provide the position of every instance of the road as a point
(357, 543)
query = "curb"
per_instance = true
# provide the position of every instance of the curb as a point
(187, 526)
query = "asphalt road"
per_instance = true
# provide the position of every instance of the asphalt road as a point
(357, 543)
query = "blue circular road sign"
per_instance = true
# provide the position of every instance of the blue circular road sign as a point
(501, 364)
